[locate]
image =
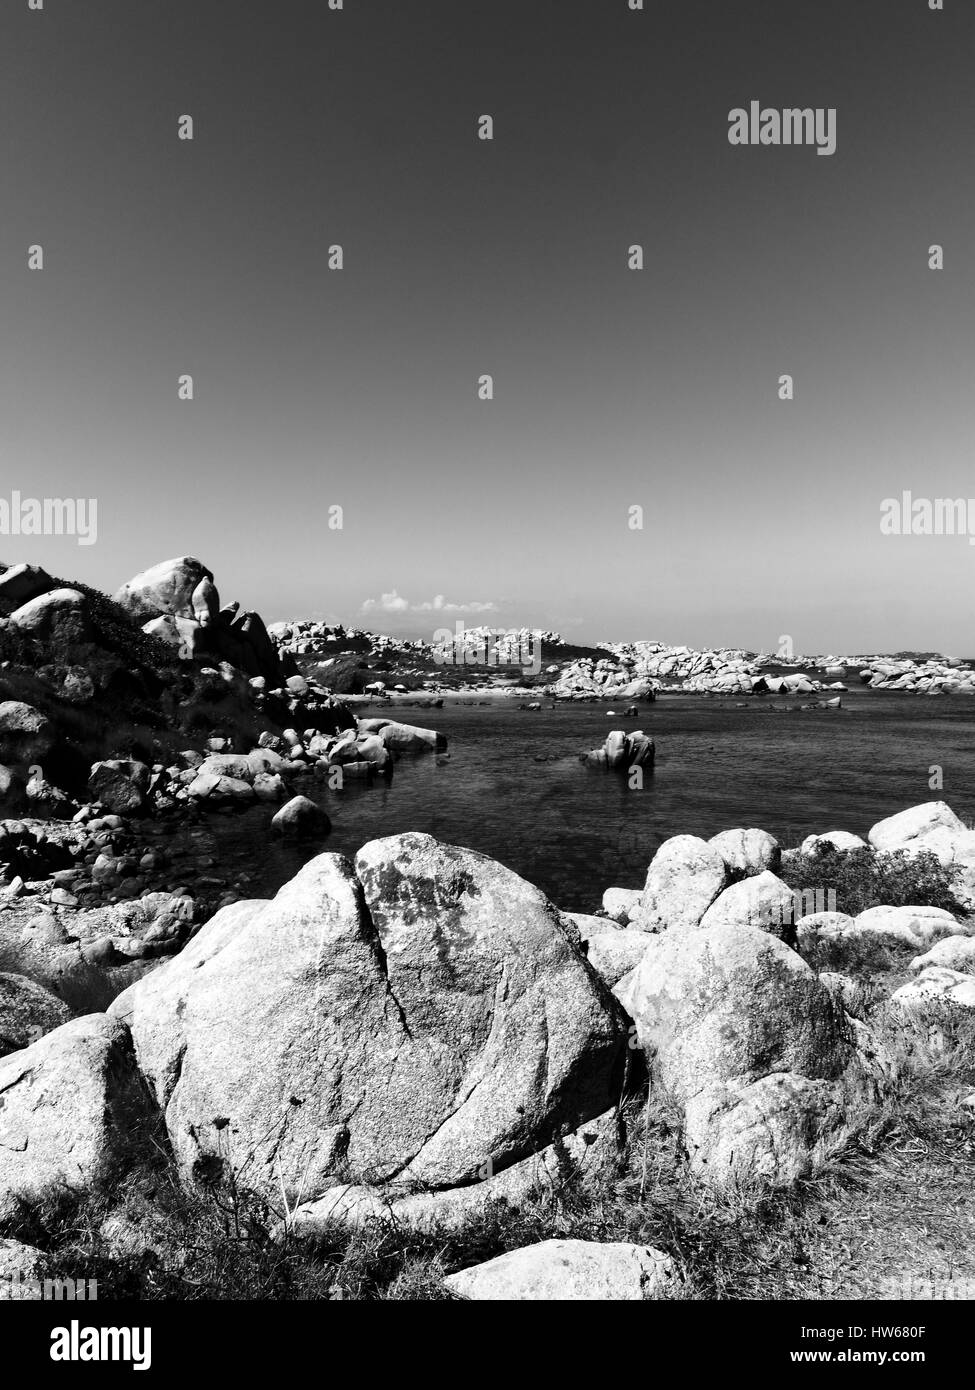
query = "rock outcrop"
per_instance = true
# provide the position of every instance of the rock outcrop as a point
(403, 738)
(177, 601)
(61, 613)
(180, 588)
(954, 952)
(119, 784)
(300, 818)
(936, 988)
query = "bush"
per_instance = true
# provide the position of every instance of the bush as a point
(861, 878)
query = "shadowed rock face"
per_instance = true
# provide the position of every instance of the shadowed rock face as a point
(413, 1018)
(27, 1011)
(26, 735)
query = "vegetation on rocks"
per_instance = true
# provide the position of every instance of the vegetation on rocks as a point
(861, 878)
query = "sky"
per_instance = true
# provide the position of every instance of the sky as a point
(613, 388)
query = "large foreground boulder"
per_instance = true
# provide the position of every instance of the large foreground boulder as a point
(569, 1271)
(68, 1105)
(772, 1074)
(414, 1017)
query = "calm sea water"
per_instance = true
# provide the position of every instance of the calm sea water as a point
(574, 831)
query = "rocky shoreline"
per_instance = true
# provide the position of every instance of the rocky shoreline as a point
(94, 837)
(152, 996)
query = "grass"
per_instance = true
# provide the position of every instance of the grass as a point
(864, 957)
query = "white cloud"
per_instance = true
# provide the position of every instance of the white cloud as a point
(440, 605)
(395, 603)
(386, 603)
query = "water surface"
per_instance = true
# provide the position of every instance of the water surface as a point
(574, 831)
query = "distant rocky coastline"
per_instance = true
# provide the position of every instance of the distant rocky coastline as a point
(356, 659)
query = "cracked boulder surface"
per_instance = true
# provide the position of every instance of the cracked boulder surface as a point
(68, 1107)
(772, 1074)
(417, 1017)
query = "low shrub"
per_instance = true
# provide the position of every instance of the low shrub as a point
(862, 878)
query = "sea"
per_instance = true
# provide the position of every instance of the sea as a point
(513, 785)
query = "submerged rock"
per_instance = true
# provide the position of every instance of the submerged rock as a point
(300, 817)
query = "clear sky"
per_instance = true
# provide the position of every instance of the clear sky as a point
(613, 388)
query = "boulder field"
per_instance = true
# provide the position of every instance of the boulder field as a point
(418, 1031)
